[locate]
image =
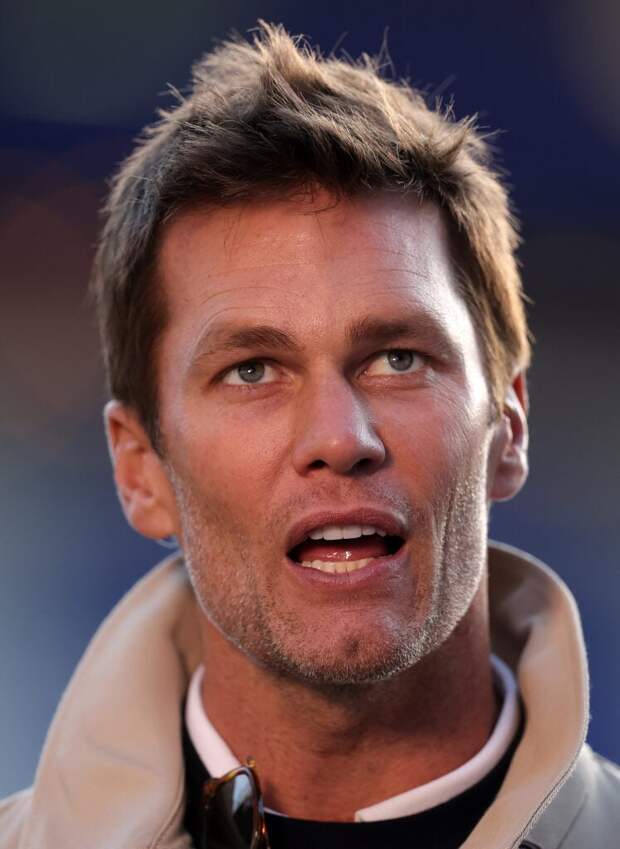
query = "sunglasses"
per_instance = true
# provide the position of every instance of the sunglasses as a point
(234, 811)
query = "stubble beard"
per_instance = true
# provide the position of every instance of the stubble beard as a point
(271, 637)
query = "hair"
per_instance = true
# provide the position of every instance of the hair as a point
(267, 118)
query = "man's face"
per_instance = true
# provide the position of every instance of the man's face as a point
(320, 370)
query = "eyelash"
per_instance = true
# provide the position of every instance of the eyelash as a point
(248, 385)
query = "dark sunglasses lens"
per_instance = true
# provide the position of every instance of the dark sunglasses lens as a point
(229, 822)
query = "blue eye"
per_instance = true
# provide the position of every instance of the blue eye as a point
(400, 360)
(396, 360)
(252, 371)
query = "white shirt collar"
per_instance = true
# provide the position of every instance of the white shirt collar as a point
(218, 758)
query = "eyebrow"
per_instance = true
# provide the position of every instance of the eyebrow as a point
(367, 330)
(261, 337)
(380, 331)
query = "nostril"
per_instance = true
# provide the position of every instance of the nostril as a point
(317, 464)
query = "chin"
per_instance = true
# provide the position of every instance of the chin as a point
(350, 660)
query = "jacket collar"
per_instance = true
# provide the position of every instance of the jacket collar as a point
(535, 628)
(112, 774)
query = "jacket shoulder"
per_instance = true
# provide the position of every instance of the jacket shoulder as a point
(14, 812)
(586, 809)
(609, 770)
(597, 823)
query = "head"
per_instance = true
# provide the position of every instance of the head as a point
(302, 215)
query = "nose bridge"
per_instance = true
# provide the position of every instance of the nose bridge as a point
(334, 428)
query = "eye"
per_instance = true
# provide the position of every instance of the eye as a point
(248, 373)
(397, 360)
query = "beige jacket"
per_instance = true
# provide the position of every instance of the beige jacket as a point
(111, 775)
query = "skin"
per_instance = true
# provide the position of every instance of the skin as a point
(345, 695)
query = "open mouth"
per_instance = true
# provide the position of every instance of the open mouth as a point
(343, 549)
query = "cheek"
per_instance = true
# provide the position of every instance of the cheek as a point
(229, 462)
(437, 443)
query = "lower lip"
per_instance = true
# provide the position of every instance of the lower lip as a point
(378, 569)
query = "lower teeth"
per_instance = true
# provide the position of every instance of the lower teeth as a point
(338, 566)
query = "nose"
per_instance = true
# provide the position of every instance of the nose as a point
(334, 429)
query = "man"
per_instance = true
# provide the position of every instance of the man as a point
(316, 345)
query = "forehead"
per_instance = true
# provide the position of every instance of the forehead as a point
(310, 264)
(304, 230)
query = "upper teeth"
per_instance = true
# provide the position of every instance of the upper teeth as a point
(331, 532)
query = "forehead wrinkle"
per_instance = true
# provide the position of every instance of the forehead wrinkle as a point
(204, 299)
(399, 270)
(255, 266)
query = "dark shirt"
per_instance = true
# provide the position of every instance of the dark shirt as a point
(446, 826)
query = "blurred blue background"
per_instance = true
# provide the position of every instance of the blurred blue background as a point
(80, 79)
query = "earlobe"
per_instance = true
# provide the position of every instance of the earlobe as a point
(508, 460)
(141, 481)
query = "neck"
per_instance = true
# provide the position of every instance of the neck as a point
(324, 754)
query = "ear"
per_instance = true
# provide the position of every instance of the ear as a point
(508, 463)
(142, 484)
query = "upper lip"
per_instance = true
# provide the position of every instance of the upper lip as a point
(381, 519)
